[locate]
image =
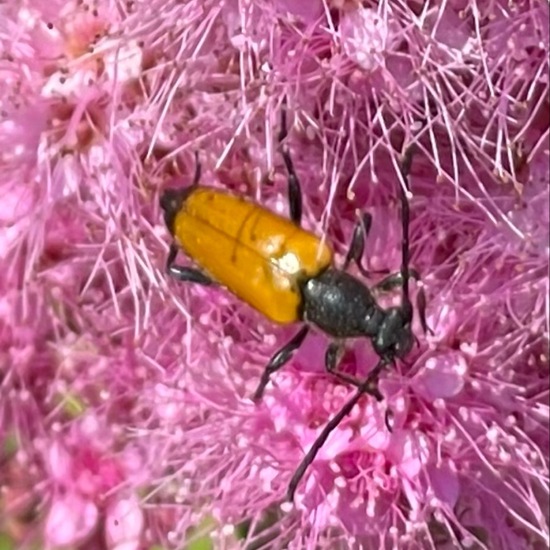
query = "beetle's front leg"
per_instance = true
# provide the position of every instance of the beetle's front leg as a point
(395, 280)
(185, 274)
(332, 358)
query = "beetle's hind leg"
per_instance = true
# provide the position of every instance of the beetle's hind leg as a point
(280, 358)
(294, 190)
(185, 274)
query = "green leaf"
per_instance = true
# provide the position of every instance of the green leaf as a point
(72, 405)
(6, 542)
(200, 535)
(9, 446)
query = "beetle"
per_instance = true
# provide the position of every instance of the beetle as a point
(288, 274)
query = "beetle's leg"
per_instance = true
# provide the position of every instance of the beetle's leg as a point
(294, 190)
(186, 274)
(332, 424)
(394, 280)
(405, 168)
(332, 358)
(388, 420)
(421, 308)
(406, 271)
(280, 358)
(198, 169)
(190, 275)
(357, 246)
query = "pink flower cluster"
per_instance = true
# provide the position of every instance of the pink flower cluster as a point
(126, 419)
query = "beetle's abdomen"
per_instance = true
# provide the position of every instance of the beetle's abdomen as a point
(340, 305)
(259, 256)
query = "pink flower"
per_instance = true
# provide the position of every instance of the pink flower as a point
(70, 520)
(126, 417)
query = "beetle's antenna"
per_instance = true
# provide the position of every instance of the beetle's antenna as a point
(405, 221)
(332, 424)
(197, 176)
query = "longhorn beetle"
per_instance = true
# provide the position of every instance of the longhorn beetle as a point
(288, 274)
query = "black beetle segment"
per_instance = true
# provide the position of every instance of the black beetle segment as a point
(394, 338)
(340, 305)
(171, 202)
(336, 302)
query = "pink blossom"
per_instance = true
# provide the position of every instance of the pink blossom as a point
(124, 524)
(70, 520)
(126, 412)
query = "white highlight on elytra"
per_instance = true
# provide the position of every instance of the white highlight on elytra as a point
(288, 262)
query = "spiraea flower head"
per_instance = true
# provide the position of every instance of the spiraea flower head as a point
(126, 413)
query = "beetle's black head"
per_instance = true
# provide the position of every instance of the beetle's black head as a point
(171, 202)
(395, 338)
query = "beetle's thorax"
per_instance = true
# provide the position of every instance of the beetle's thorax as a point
(340, 305)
